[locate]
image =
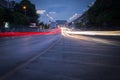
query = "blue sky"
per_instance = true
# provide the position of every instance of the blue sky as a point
(61, 9)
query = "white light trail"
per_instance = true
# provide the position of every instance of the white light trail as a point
(105, 33)
(66, 33)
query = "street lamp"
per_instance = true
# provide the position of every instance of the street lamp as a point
(24, 8)
(8, 4)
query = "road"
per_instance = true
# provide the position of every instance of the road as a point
(16, 50)
(59, 57)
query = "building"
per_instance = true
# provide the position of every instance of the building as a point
(52, 25)
(61, 23)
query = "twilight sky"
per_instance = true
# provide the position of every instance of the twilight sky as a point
(60, 9)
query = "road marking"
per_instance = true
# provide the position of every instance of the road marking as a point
(11, 72)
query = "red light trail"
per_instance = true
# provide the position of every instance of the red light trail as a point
(10, 34)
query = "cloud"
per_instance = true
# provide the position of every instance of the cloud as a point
(41, 11)
(57, 8)
(52, 12)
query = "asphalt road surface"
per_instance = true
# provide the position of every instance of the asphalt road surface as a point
(59, 57)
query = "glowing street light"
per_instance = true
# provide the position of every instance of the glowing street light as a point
(24, 8)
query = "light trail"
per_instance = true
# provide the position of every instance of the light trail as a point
(103, 33)
(10, 34)
(71, 34)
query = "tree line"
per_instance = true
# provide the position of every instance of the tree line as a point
(104, 12)
(23, 13)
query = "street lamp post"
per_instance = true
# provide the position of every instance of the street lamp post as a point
(24, 8)
(8, 4)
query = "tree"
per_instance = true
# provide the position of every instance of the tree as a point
(41, 24)
(28, 11)
(79, 24)
(2, 11)
(20, 19)
(44, 26)
(104, 11)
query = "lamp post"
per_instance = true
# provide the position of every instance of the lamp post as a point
(8, 4)
(24, 8)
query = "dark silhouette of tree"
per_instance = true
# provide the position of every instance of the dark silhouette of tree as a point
(1, 16)
(29, 14)
(30, 10)
(104, 11)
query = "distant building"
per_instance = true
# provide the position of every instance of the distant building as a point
(61, 23)
(52, 25)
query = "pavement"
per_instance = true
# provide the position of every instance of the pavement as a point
(67, 58)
